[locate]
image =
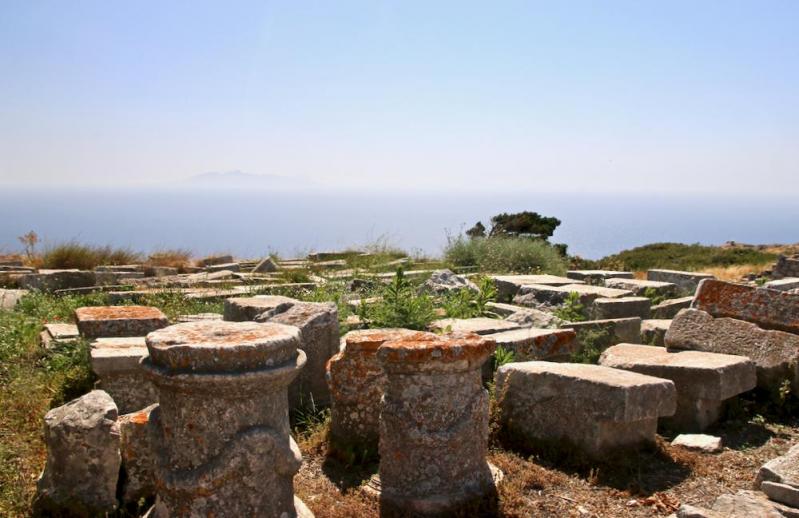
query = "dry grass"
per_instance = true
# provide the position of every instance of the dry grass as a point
(85, 257)
(734, 273)
(173, 258)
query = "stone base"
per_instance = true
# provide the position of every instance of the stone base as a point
(434, 504)
(694, 415)
(301, 510)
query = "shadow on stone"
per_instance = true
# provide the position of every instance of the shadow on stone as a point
(347, 469)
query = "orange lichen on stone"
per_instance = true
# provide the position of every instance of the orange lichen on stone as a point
(425, 347)
(769, 309)
(372, 339)
(118, 313)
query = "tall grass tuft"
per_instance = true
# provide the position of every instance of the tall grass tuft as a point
(85, 257)
(505, 255)
(174, 258)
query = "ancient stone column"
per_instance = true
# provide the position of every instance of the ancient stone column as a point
(222, 423)
(434, 422)
(356, 382)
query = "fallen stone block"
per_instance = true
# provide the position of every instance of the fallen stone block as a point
(698, 442)
(597, 409)
(540, 296)
(786, 284)
(703, 380)
(597, 276)
(640, 287)
(83, 459)
(356, 383)
(242, 309)
(115, 278)
(266, 265)
(442, 282)
(747, 504)
(782, 493)
(10, 298)
(686, 282)
(479, 325)
(605, 333)
(538, 344)
(55, 334)
(215, 259)
(197, 317)
(319, 331)
(653, 332)
(225, 267)
(775, 353)
(769, 309)
(779, 478)
(115, 361)
(118, 321)
(668, 309)
(508, 285)
(623, 307)
(138, 457)
(786, 267)
(52, 280)
(160, 271)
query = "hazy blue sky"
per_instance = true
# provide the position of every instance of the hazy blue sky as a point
(508, 95)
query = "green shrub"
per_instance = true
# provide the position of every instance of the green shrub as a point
(400, 306)
(592, 343)
(680, 256)
(503, 356)
(86, 257)
(465, 303)
(505, 255)
(654, 297)
(572, 310)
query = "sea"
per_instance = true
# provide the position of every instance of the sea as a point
(251, 223)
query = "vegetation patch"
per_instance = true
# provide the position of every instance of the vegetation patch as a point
(678, 256)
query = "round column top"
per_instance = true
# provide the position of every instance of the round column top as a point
(222, 347)
(457, 350)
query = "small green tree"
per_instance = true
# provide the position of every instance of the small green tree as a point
(529, 224)
(478, 230)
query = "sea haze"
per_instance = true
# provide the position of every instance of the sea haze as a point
(249, 223)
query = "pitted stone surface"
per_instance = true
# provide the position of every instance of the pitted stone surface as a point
(783, 470)
(479, 325)
(639, 287)
(508, 285)
(653, 331)
(769, 309)
(593, 276)
(703, 380)
(668, 309)
(242, 309)
(138, 462)
(686, 282)
(356, 382)
(442, 282)
(319, 339)
(775, 353)
(119, 321)
(541, 296)
(595, 408)
(622, 307)
(115, 361)
(80, 476)
(538, 344)
(221, 426)
(434, 422)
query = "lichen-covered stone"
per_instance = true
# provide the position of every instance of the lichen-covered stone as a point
(52, 280)
(478, 325)
(538, 344)
(434, 422)
(622, 307)
(221, 426)
(686, 282)
(444, 281)
(639, 287)
(82, 469)
(115, 361)
(769, 309)
(243, 309)
(508, 285)
(118, 321)
(549, 297)
(775, 353)
(594, 408)
(703, 380)
(356, 382)
(138, 461)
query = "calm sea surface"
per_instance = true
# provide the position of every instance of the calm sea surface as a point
(249, 224)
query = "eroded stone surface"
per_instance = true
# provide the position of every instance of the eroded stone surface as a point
(119, 321)
(9, 298)
(686, 282)
(242, 309)
(356, 382)
(480, 325)
(445, 281)
(546, 297)
(538, 344)
(780, 476)
(623, 307)
(786, 284)
(703, 380)
(699, 442)
(668, 309)
(653, 332)
(769, 309)
(138, 462)
(775, 353)
(595, 408)
(605, 333)
(115, 361)
(434, 422)
(222, 421)
(508, 285)
(80, 476)
(639, 286)
(52, 280)
(595, 276)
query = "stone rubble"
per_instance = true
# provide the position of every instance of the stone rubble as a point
(442, 282)
(118, 321)
(687, 282)
(640, 287)
(698, 442)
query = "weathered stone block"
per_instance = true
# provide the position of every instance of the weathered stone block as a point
(480, 325)
(769, 309)
(623, 307)
(319, 332)
(786, 267)
(52, 280)
(508, 285)
(703, 380)
(608, 332)
(434, 423)
(160, 271)
(597, 276)
(356, 381)
(138, 455)
(786, 284)
(222, 422)
(775, 353)
(597, 409)
(118, 321)
(668, 309)
(9, 298)
(266, 265)
(699, 442)
(80, 476)
(225, 267)
(115, 278)
(538, 344)
(686, 282)
(653, 332)
(242, 309)
(779, 478)
(115, 361)
(746, 504)
(216, 259)
(444, 281)
(540, 296)
(640, 287)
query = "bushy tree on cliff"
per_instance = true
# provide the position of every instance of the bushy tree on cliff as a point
(520, 224)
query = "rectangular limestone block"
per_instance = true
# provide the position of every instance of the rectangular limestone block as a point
(775, 353)
(52, 280)
(640, 287)
(480, 325)
(783, 470)
(623, 307)
(653, 331)
(668, 309)
(595, 276)
(786, 284)
(508, 285)
(686, 282)
(595, 408)
(116, 363)
(119, 321)
(538, 344)
(787, 267)
(769, 309)
(242, 309)
(539, 295)
(703, 380)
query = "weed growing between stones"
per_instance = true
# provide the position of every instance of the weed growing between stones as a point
(654, 297)
(572, 310)
(592, 342)
(465, 303)
(174, 303)
(400, 306)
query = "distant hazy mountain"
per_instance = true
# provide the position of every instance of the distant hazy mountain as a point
(239, 179)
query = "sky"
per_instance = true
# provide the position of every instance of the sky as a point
(456, 95)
